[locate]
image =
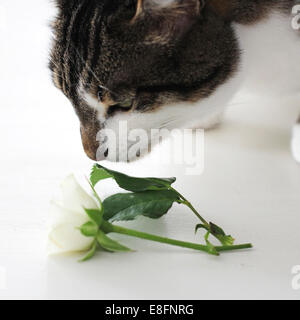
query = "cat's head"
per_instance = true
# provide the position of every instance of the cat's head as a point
(137, 61)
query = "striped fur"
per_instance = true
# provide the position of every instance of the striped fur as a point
(76, 50)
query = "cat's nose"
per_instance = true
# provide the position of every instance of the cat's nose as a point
(89, 142)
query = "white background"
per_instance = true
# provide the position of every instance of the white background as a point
(250, 186)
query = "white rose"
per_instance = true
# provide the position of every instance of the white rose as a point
(67, 216)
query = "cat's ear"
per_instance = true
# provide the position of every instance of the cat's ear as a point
(168, 21)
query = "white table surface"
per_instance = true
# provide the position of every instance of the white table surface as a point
(250, 186)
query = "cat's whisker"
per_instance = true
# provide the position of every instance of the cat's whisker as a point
(168, 122)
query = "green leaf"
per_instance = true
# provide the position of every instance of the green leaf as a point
(109, 244)
(216, 230)
(91, 253)
(89, 229)
(226, 240)
(99, 174)
(95, 215)
(130, 183)
(219, 233)
(128, 206)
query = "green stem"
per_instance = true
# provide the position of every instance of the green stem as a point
(234, 247)
(109, 228)
(189, 205)
(97, 197)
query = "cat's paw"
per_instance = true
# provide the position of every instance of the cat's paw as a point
(296, 142)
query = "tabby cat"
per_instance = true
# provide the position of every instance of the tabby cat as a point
(169, 64)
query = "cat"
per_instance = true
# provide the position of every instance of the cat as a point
(169, 64)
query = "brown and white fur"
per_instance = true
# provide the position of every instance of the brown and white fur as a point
(263, 48)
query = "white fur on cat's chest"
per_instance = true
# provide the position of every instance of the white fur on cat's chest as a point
(269, 65)
(270, 62)
(270, 55)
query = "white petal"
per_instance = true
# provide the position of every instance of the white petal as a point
(59, 215)
(66, 238)
(64, 235)
(75, 197)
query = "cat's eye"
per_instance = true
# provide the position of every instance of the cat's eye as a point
(121, 107)
(126, 104)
